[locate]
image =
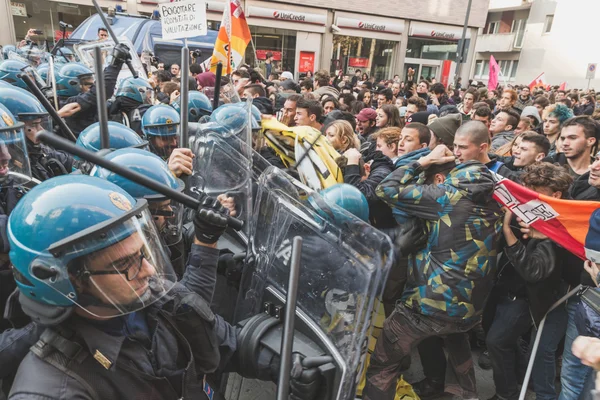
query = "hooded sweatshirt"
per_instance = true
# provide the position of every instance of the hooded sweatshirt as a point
(326, 90)
(500, 139)
(452, 276)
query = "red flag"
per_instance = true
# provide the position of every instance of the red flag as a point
(539, 81)
(564, 221)
(563, 86)
(494, 71)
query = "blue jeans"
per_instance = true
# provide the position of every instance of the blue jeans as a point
(544, 367)
(573, 373)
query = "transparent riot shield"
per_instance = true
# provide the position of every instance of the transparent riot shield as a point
(85, 52)
(343, 266)
(223, 166)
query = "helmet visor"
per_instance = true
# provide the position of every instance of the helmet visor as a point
(34, 75)
(15, 169)
(129, 274)
(147, 95)
(35, 123)
(168, 217)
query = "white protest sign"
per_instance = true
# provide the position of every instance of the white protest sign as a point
(183, 19)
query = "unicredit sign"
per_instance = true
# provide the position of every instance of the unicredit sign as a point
(443, 35)
(284, 15)
(371, 27)
(433, 31)
(289, 16)
(394, 26)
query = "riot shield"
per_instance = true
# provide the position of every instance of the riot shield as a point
(223, 166)
(85, 52)
(344, 263)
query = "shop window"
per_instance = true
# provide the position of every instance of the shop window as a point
(280, 42)
(548, 23)
(372, 56)
(433, 49)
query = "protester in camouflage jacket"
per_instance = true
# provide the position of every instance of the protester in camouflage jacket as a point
(452, 276)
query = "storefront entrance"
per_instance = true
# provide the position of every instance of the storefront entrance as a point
(371, 56)
(280, 42)
(424, 69)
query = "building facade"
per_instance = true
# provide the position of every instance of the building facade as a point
(342, 35)
(530, 37)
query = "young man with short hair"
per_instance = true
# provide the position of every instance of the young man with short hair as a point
(470, 97)
(553, 116)
(414, 105)
(322, 87)
(524, 99)
(414, 136)
(384, 96)
(483, 114)
(387, 141)
(533, 148)
(289, 110)
(502, 128)
(306, 86)
(507, 100)
(577, 139)
(254, 91)
(308, 113)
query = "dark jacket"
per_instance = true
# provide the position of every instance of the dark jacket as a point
(87, 101)
(498, 166)
(452, 276)
(582, 190)
(380, 213)
(199, 277)
(47, 163)
(534, 271)
(521, 104)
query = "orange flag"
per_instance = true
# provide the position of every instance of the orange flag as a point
(564, 221)
(234, 36)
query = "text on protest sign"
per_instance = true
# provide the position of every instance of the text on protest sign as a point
(183, 19)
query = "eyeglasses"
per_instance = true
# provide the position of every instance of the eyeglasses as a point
(133, 266)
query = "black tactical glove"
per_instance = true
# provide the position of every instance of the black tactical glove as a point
(210, 220)
(121, 54)
(304, 382)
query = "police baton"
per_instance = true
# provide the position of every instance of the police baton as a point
(101, 99)
(287, 336)
(112, 35)
(184, 94)
(63, 144)
(64, 129)
(217, 94)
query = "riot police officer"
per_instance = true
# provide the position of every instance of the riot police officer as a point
(45, 161)
(123, 328)
(160, 124)
(199, 105)
(167, 214)
(77, 85)
(133, 97)
(119, 137)
(14, 173)
(10, 70)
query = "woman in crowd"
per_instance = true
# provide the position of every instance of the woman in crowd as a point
(388, 115)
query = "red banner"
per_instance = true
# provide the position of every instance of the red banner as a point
(307, 61)
(58, 35)
(262, 54)
(446, 68)
(360, 62)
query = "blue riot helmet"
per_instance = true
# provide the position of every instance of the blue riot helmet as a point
(120, 137)
(199, 105)
(256, 115)
(160, 124)
(84, 241)
(42, 69)
(231, 118)
(65, 55)
(71, 77)
(27, 109)
(167, 214)
(137, 89)
(10, 70)
(344, 196)
(7, 49)
(15, 169)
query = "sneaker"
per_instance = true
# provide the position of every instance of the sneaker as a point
(484, 361)
(429, 388)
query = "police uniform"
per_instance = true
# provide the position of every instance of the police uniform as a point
(87, 101)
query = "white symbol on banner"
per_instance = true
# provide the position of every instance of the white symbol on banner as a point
(534, 210)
